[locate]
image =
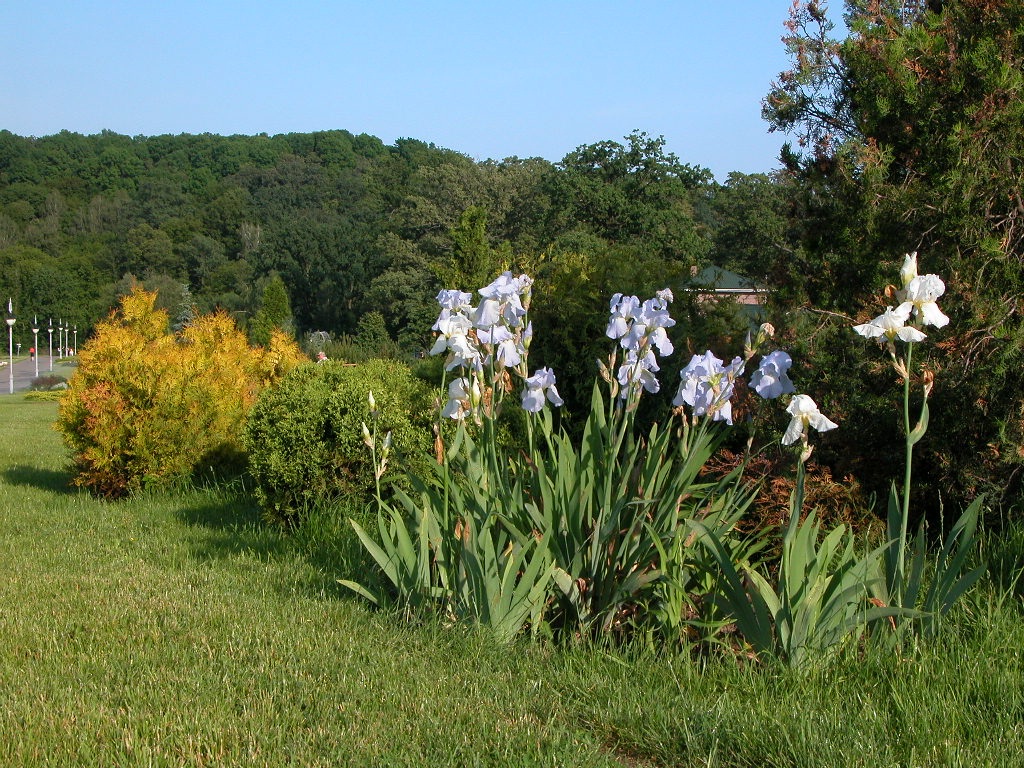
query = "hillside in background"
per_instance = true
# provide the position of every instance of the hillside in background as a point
(349, 224)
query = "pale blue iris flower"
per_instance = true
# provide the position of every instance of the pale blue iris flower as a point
(538, 387)
(499, 320)
(453, 337)
(508, 347)
(455, 300)
(638, 325)
(453, 303)
(771, 379)
(639, 371)
(464, 353)
(640, 329)
(707, 386)
(624, 311)
(488, 314)
(503, 301)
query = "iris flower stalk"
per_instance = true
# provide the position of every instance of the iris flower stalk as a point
(918, 307)
(640, 330)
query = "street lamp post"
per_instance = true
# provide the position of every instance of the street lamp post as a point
(10, 343)
(35, 342)
(60, 339)
(74, 349)
(49, 329)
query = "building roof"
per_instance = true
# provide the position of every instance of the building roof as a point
(721, 280)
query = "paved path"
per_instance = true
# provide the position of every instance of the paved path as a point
(25, 371)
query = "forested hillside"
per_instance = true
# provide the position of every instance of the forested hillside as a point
(349, 224)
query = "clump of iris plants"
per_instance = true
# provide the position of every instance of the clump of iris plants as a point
(617, 532)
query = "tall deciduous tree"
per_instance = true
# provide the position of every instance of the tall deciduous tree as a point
(753, 234)
(634, 193)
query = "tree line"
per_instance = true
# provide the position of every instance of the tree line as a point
(348, 223)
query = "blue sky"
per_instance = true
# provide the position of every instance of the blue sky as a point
(488, 79)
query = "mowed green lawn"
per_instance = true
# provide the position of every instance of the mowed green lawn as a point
(175, 629)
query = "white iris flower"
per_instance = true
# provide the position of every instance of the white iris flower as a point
(891, 325)
(920, 295)
(920, 292)
(805, 414)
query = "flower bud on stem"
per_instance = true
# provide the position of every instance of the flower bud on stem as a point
(929, 382)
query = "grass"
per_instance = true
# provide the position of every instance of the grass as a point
(175, 629)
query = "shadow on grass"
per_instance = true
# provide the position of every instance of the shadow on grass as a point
(53, 480)
(221, 510)
(330, 545)
(231, 527)
(1004, 557)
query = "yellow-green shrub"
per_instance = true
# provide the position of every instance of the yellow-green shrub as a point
(49, 395)
(147, 406)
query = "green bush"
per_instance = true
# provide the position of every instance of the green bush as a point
(47, 382)
(304, 437)
(370, 342)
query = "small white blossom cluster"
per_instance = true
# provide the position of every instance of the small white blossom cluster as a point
(491, 337)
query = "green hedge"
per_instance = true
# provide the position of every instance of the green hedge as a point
(304, 438)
